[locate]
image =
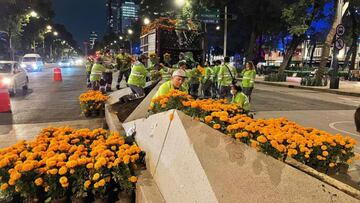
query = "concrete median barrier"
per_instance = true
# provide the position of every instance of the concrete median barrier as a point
(191, 162)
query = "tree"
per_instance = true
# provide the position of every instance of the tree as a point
(299, 17)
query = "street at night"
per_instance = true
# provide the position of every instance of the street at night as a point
(209, 101)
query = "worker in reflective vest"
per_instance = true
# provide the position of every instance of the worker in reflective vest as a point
(137, 78)
(248, 78)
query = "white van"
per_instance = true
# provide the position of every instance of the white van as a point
(32, 62)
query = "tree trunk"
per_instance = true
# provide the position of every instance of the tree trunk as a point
(349, 53)
(312, 53)
(327, 45)
(354, 37)
(252, 45)
(290, 51)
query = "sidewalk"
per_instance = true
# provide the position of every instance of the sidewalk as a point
(348, 88)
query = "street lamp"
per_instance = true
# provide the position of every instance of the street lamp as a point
(130, 31)
(48, 27)
(115, 42)
(146, 21)
(121, 38)
(55, 33)
(218, 27)
(33, 14)
(180, 3)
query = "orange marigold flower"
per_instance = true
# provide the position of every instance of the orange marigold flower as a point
(4, 186)
(39, 181)
(216, 126)
(96, 176)
(101, 183)
(133, 179)
(87, 184)
(63, 170)
(261, 139)
(63, 180)
(71, 164)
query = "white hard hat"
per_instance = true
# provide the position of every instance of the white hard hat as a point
(180, 73)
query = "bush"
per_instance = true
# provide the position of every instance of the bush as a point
(312, 81)
(276, 77)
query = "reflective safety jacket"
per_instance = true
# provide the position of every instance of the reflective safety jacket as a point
(241, 99)
(209, 74)
(123, 62)
(88, 66)
(96, 72)
(224, 76)
(166, 88)
(248, 79)
(138, 75)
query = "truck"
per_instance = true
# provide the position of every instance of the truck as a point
(5, 51)
(162, 37)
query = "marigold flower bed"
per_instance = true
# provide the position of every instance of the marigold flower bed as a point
(64, 162)
(278, 138)
(92, 103)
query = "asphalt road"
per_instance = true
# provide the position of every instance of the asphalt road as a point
(48, 100)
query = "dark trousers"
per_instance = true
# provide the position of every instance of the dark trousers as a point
(137, 90)
(108, 77)
(208, 88)
(248, 91)
(122, 74)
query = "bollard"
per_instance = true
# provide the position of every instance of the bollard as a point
(57, 74)
(5, 105)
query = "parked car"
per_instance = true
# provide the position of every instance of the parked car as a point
(13, 76)
(32, 62)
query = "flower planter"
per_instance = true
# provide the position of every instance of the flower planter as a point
(59, 200)
(101, 199)
(78, 200)
(31, 200)
(124, 197)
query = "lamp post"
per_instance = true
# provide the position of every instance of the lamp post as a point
(130, 32)
(146, 21)
(51, 46)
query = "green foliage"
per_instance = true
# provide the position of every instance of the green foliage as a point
(276, 77)
(313, 81)
(300, 14)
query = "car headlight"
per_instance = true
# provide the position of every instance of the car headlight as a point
(34, 66)
(6, 81)
(23, 65)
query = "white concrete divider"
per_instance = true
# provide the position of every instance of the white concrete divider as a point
(191, 162)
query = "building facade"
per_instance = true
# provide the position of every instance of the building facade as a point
(120, 15)
(92, 39)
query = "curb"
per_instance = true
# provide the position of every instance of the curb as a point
(325, 178)
(354, 94)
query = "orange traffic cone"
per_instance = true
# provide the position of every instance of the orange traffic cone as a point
(57, 74)
(4, 98)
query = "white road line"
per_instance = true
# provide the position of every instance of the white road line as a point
(332, 125)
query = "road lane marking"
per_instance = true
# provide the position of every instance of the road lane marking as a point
(332, 125)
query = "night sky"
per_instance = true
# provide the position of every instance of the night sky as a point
(81, 17)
